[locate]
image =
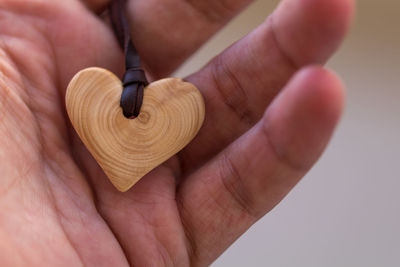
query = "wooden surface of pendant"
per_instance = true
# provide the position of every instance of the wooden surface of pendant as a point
(127, 149)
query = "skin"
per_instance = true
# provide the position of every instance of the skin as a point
(271, 109)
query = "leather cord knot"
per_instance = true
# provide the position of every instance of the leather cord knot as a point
(132, 96)
(134, 80)
(133, 76)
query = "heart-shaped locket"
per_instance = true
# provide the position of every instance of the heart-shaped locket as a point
(127, 149)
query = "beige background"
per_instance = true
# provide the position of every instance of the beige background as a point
(346, 212)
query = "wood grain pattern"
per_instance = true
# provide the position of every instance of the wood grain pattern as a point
(127, 149)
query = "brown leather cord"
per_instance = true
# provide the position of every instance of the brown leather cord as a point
(134, 80)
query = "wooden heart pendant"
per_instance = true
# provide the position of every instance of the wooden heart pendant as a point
(127, 149)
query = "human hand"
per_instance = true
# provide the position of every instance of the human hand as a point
(268, 120)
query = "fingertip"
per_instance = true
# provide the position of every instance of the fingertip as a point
(303, 117)
(323, 11)
(324, 91)
(309, 31)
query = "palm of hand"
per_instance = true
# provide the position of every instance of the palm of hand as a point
(56, 205)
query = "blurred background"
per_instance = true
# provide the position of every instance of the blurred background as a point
(346, 211)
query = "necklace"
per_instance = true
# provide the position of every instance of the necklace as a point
(130, 126)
